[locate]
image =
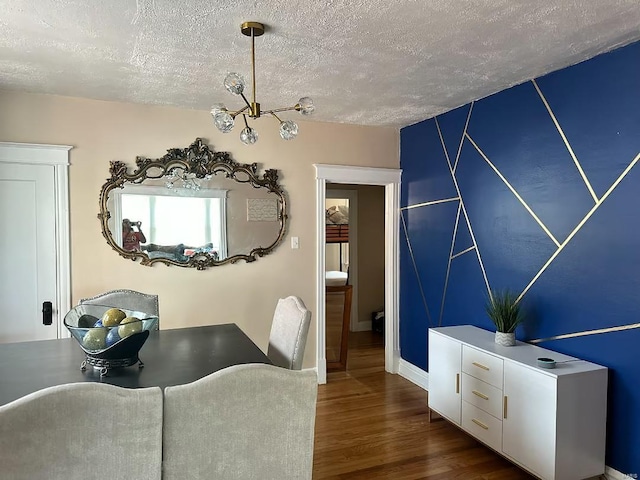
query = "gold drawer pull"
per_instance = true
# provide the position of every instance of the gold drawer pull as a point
(457, 383)
(478, 394)
(479, 365)
(504, 407)
(479, 423)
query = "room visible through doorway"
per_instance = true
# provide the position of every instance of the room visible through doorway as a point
(354, 272)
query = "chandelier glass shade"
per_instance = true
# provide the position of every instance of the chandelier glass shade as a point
(224, 119)
(178, 178)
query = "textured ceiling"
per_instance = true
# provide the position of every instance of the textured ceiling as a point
(376, 62)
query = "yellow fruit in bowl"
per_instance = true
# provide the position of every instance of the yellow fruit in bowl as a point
(129, 326)
(113, 317)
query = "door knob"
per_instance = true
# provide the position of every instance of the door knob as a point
(47, 313)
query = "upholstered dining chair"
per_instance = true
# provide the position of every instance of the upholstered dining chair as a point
(289, 331)
(128, 299)
(79, 431)
(250, 421)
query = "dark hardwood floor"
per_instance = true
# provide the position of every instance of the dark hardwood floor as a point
(373, 425)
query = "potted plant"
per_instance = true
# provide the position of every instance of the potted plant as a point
(504, 310)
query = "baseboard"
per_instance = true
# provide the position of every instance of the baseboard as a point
(361, 326)
(612, 474)
(413, 374)
(395, 362)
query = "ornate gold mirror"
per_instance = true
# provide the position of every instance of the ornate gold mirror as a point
(193, 207)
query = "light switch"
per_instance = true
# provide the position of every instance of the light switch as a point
(295, 243)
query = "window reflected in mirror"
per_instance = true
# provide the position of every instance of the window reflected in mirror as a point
(174, 227)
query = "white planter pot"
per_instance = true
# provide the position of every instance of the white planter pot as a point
(506, 339)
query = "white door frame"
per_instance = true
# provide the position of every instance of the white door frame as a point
(58, 157)
(390, 179)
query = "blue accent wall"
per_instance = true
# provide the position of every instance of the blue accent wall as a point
(563, 232)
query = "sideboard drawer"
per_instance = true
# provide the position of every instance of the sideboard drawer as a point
(482, 395)
(482, 365)
(485, 427)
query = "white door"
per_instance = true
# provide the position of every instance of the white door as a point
(445, 361)
(28, 246)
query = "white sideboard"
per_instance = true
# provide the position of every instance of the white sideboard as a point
(551, 422)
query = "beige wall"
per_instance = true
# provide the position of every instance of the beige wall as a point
(370, 251)
(243, 293)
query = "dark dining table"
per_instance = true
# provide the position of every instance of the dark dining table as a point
(171, 357)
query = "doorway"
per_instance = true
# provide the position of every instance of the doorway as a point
(355, 257)
(34, 217)
(390, 180)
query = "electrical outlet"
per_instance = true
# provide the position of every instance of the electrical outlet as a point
(295, 244)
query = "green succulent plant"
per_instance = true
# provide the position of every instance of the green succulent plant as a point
(504, 310)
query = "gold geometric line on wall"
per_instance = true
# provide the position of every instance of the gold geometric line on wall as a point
(566, 142)
(513, 190)
(444, 148)
(446, 278)
(464, 132)
(462, 252)
(464, 210)
(587, 332)
(415, 268)
(579, 226)
(433, 202)
(475, 244)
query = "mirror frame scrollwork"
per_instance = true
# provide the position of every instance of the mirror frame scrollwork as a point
(199, 160)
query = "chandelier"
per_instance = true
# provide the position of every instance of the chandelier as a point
(234, 83)
(183, 179)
